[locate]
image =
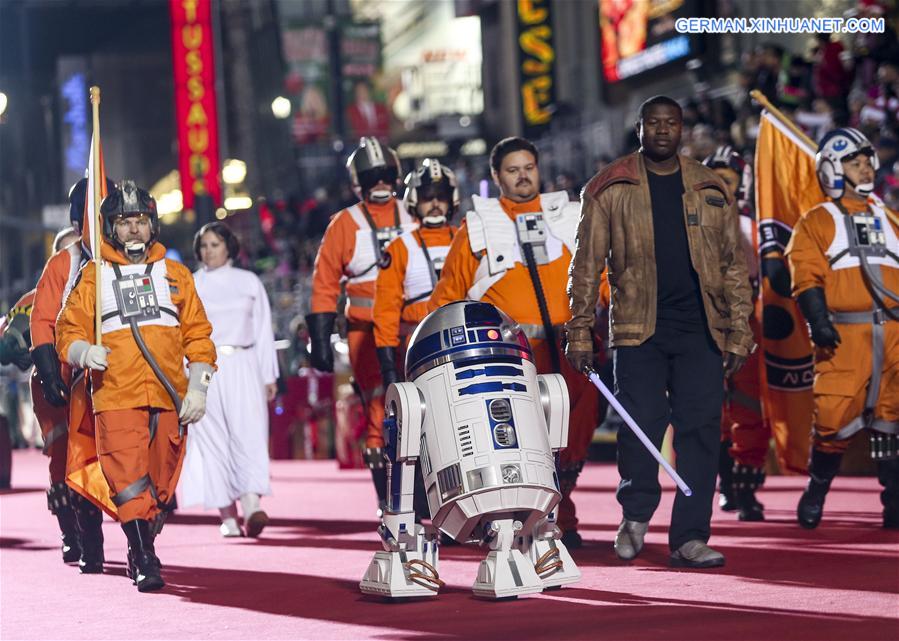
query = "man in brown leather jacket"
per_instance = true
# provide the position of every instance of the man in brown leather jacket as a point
(667, 229)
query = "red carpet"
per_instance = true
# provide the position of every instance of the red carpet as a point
(299, 581)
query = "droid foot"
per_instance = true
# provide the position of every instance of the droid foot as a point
(549, 555)
(401, 575)
(553, 564)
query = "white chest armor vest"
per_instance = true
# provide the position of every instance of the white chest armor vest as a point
(839, 252)
(490, 230)
(418, 283)
(363, 267)
(112, 322)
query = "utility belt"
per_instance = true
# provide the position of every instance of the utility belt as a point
(227, 350)
(875, 317)
(369, 326)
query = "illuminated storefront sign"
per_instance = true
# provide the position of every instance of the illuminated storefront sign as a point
(195, 108)
(536, 65)
(75, 127)
(639, 35)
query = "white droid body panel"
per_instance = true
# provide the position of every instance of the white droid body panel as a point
(483, 426)
(485, 445)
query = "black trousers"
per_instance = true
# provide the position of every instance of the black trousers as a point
(674, 377)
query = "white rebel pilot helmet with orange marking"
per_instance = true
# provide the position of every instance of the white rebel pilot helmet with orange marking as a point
(431, 177)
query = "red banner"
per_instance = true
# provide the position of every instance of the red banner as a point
(197, 121)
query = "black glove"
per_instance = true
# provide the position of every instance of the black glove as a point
(47, 363)
(12, 351)
(320, 327)
(732, 363)
(814, 308)
(387, 360)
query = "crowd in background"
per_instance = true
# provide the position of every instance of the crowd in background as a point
(854, 83)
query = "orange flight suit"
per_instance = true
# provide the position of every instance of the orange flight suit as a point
(347, 257)
(514, 294)
(742, 422)
(53, 287)
(841, 380)
(128, 392)
(395, 305)
(52, 420)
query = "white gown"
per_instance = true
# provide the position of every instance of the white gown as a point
(227, 450)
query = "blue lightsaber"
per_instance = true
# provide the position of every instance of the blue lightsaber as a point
(594, 378)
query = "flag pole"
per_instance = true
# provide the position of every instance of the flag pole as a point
(760, 98)
(95, 249)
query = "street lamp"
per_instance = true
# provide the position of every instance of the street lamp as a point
(281, 107)
(238, 201)
(3, 102)
(234, 171)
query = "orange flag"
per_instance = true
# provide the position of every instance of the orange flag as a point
(91, 234)
(785, 188)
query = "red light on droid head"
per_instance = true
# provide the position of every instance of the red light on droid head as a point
(492, 334)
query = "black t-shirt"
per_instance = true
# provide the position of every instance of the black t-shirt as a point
(679, 297)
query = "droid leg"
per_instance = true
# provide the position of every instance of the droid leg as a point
(545, 550)
(407, 567)
(506, 572)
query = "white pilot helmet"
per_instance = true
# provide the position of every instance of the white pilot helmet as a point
(836, 147)
(431, 176)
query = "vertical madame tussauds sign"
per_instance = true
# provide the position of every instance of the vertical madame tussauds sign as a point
(195, 112)
(536, 65)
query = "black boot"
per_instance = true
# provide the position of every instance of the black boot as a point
(746, 481)
(90, 532)
(822, 467)
(377, 463)
(568, 475)
(888, 475)
(726, 499)
(60, 505)
(143, 564)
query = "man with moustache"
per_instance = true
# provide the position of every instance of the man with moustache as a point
(514, 252)
(668, 231)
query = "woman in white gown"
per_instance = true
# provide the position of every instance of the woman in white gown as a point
(227, 451)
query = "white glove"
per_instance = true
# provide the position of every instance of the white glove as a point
(193, 405)
(82, 354)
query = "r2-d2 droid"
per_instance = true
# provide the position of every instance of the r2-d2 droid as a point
(484, 428)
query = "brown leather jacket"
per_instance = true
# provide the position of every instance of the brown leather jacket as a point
(616, 229)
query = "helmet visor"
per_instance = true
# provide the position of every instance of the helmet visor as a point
(440, 191)
(371, 177)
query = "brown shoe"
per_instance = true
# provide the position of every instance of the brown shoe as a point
(629, 539)
(256, 523)
(696, 554)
